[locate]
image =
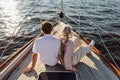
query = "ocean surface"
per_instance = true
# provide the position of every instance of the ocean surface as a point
(99, 20)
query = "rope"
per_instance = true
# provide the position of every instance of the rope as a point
(61, 9)
(11, 38)
(80, 30)
(107, 50)
(109, 35)
(97, 40)
(20, 40)
(72, 20)
(109, 2)
(28, 14)
(102, 39)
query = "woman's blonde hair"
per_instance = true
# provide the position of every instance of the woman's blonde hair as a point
(66, 33)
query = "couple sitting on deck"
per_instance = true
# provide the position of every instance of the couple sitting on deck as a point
(52, 49)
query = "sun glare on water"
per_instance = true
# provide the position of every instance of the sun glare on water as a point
(9, 8)
(10, 14)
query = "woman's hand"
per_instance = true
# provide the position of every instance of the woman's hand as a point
(28, 69)
(73, 69)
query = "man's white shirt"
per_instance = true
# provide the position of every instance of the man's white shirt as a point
(48, 48)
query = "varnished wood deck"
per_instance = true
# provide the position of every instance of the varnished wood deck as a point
(90, 67)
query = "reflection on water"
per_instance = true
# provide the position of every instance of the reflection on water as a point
(10, 14)
(9, 8)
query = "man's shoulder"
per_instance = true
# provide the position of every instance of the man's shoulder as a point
(49, 38)
(38, 38)
(54, 37)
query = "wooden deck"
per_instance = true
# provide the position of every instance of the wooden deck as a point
(90, 67)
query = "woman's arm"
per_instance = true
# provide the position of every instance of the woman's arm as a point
(61, 60)
(68, 56)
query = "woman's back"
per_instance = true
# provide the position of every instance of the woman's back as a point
(67, 48)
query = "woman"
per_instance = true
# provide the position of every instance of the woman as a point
(67, 49)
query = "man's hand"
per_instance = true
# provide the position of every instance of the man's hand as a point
(34, 60)
(28, 69)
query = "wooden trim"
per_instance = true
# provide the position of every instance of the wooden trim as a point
(104, 58)
(15, 62)
(6, 62)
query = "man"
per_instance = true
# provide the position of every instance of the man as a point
(46, 46)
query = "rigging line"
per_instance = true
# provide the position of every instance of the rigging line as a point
(107, 50)
(79, 26)
(94, 23)
(28, 13)
(103, 41)
(109, 35)
(61, 6)
(79, 29)
(8, 43)
(105, 32)
(108, 32)
(96, 40)
(88, 33)
(18, 42)
(19, 29)
(55, 5)
(100, 43)
(71, 20)
(61, 9)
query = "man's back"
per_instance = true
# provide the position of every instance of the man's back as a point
(48, 48)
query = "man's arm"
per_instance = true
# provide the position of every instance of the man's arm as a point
(34, 60)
